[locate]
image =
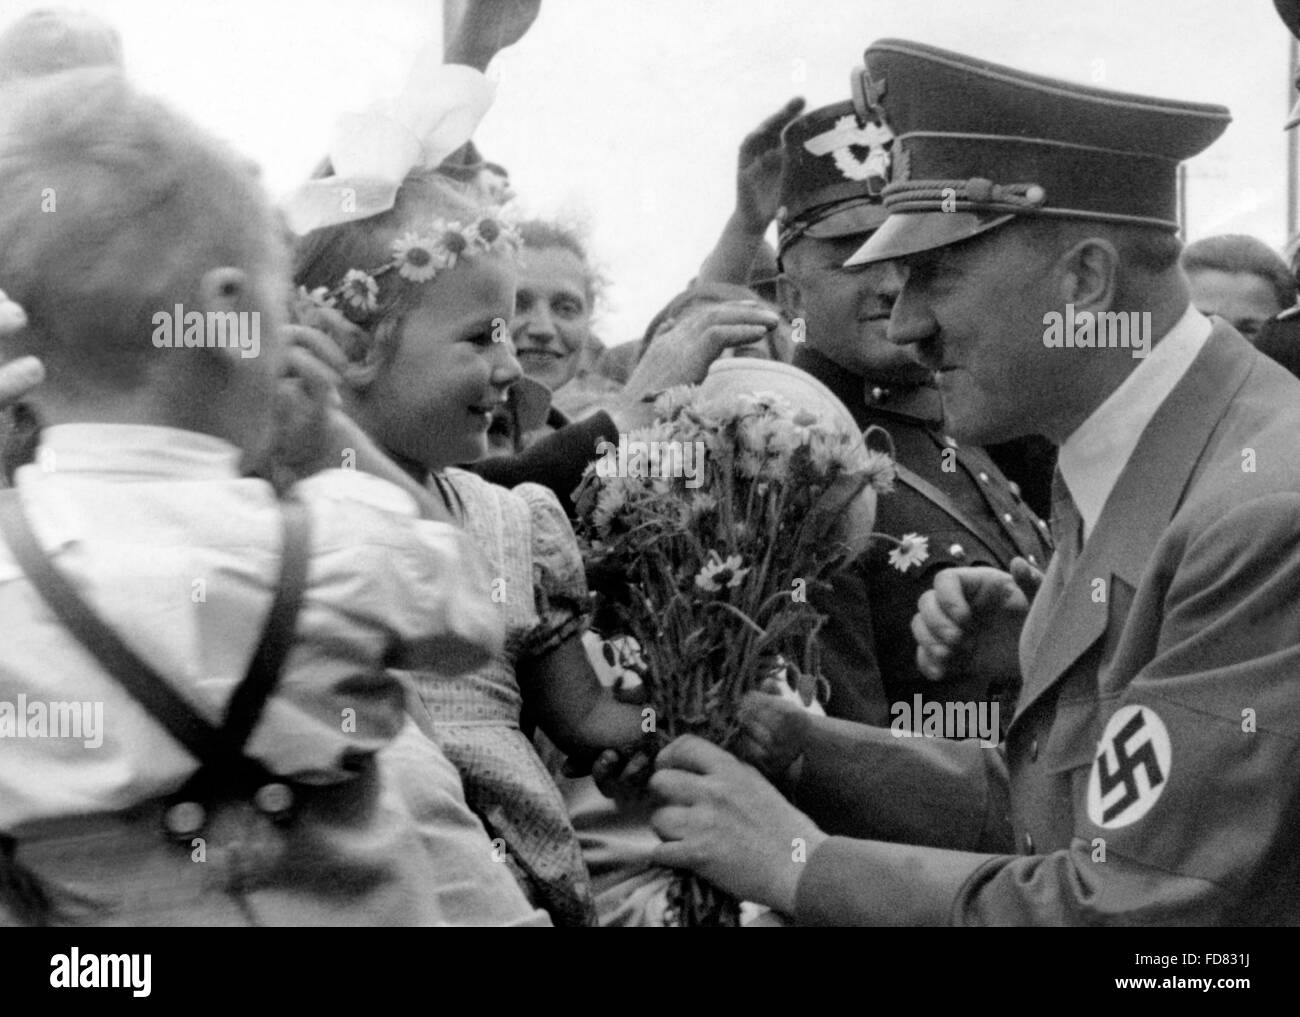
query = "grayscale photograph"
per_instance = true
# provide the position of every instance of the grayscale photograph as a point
(650, 463)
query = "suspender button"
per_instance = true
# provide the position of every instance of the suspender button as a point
(275, 800)
(184, 819)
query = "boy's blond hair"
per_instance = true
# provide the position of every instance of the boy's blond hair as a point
(112, 208)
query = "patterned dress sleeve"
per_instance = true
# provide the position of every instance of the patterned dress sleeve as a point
(559, 580)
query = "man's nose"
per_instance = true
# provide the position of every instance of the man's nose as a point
(910, 322)
(889, 283)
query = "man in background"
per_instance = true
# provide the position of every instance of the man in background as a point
(952, 505)
(1239, 279)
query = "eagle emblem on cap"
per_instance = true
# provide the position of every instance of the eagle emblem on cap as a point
(848, 133)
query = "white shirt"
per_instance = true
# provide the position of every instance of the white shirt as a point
(1094, 456)
(179, 554)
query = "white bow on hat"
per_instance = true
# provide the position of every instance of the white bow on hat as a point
(372, 151)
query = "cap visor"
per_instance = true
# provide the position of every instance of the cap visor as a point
(908, 233)
(857, 218)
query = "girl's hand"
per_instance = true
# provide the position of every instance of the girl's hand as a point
(774, 730)
(309, 422)
(623, 776)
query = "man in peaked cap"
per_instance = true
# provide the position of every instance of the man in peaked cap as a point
(1150, 773)
(950, 495)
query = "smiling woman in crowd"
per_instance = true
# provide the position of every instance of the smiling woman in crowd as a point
(553, 305)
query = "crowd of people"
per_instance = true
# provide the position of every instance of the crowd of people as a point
(314, 604)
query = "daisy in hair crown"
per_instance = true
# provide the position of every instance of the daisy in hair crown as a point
(418, 256)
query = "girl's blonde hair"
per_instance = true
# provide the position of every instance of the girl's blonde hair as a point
(324, 257)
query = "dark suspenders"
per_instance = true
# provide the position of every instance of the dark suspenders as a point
(220, 750)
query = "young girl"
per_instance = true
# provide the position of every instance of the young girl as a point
(431, 283)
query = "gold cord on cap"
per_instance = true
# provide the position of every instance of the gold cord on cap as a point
(975, 191)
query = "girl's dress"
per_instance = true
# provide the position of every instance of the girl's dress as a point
(541, 591)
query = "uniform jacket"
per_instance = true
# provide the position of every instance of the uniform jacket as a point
(868, 653)
(1150, 774)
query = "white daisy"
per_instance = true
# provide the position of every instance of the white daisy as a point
(415, 257)
(360, 290)
(913, 549)
(718, 573)
(452, 241)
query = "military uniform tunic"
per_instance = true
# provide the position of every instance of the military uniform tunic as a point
(868, 652)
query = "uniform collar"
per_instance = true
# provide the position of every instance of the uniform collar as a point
(846, 385)
(922, 404)
(862, 396)
(1093, 457)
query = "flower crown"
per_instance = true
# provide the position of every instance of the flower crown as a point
(418, 256)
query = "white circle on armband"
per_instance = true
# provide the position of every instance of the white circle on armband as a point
(1131, 767)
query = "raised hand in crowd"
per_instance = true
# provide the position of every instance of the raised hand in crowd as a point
(487, 27)
(758, 188)
(681, 355)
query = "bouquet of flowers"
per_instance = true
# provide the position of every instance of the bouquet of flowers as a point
(720, 517)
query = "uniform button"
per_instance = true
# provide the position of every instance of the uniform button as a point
(1042, 525)
(1033, 750)
(184, 819)
(950, 441)
(1007, 517)
(1013, 487)
(876, 393)
(274, 799)
(1033, 560)
(957, 551)
(1029, 843)
(984, 477)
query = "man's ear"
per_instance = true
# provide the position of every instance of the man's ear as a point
(789, 296)
(225, 289)
(1090, 275)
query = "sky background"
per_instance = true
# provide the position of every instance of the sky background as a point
(623, 116)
